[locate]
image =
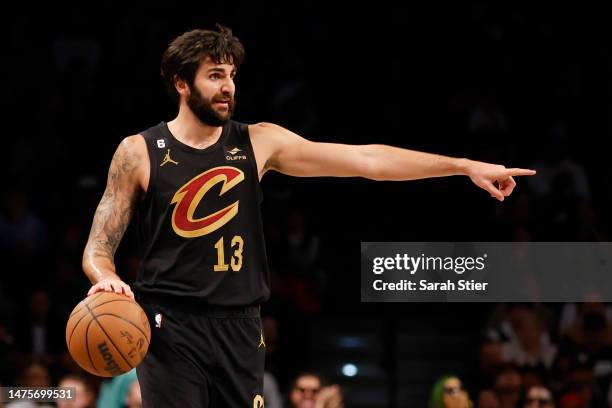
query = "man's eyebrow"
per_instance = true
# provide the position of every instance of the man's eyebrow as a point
(217, 69)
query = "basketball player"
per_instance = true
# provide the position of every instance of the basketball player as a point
(195, 183)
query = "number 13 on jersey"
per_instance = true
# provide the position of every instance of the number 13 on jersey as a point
(237, 244)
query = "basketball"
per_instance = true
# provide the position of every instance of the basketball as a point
(108, 334)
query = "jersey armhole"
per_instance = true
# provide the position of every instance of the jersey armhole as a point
(152, 165)
(245, 132)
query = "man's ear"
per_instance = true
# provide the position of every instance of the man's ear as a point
(181, 86)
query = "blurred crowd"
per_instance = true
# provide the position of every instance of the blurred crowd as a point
(532, 354)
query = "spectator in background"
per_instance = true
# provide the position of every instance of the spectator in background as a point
(519, 336)
(134, 398)
(114, 392)
(534, 376)
(39, 335)
(20, 230)
(35, 374)
(508, 385)
(588, 340)
(539, 397)
(23, 245)
(303, 253)
(531, 345)
(308, 391)
(587, 326)
(271, 393)
(504, 318)
(84, 392)
(579, 387)
(449, 392)
(487, 398)
(296, 275)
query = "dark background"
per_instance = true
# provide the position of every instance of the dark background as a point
(521, 86)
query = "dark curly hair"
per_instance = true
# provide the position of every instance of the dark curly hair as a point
(185, 53)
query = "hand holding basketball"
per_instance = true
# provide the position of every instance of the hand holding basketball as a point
(108, 334)
(111, 285)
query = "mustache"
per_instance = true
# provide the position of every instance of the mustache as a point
(224, 98)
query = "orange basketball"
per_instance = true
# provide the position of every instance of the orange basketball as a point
(108, 334)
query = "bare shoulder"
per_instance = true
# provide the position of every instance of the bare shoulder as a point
(270, 134)
(266, 139)
(264, 129)
(131, 160)
(133, 145)
(131, 150)
(271, 143)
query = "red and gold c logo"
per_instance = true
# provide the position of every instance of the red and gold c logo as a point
(191, 193)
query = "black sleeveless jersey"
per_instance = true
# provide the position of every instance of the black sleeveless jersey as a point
(200, 224)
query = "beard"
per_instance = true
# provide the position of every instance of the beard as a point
(203, 108)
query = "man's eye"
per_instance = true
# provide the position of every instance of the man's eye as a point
(215, 76)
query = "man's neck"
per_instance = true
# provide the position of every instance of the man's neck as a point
(188, 129)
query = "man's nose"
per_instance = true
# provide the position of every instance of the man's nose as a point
(228, 87)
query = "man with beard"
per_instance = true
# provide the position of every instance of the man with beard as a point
(195, 182)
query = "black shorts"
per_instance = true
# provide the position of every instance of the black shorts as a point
(202, 356)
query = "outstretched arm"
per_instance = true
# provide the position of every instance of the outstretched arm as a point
(112, 217)
(284, 151)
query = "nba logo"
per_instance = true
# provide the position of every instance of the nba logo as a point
(158, 320)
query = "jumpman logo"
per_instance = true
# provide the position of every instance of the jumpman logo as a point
(167, 159)
(261, 341)
(258, 401)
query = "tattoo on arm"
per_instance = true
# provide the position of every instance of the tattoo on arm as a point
(116, 207)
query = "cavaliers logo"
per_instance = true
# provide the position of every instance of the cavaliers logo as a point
(191, 193)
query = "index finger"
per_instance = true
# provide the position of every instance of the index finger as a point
(520, 172)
